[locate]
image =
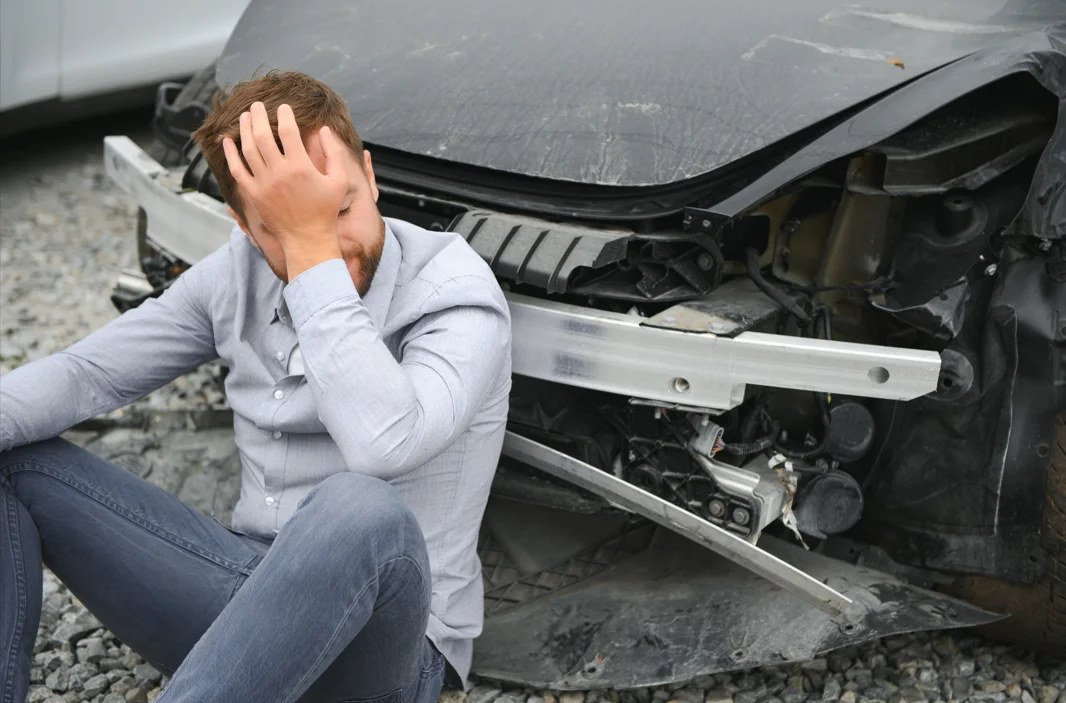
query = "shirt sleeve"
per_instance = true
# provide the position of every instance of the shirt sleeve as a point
(140, 351)
(388, 416)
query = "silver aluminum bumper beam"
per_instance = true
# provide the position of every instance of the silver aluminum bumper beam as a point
(582, 346)
(677, 519)
(616, 353)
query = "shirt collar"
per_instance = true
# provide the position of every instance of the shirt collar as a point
(378, 299)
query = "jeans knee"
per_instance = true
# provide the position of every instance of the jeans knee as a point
(44, 452)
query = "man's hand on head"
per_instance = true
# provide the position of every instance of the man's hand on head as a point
(297, 202)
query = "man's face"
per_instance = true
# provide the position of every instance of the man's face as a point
(360, 229)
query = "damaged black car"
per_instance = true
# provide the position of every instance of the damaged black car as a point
(788, 290)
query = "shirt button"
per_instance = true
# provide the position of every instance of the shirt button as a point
(270, 500)
(280, 355)
(277, 434)
(279, 395)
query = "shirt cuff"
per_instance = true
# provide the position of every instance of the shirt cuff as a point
(316, 288)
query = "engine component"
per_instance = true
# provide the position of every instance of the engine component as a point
(828, 504)
(754, 483)
(778, 571)
(956, 376)
(735, 306)
(851, 431)
(537, 252)
(659, 267)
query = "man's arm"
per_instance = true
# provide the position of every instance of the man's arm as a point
(388, 417)
(142, 350)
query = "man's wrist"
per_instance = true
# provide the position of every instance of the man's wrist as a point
(305, 253)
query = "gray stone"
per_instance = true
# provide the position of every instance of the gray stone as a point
(983, 697)
(718, 695)
(992, 686)
(832, 690)
(1027, 697)
(1048, 694)
(91, 650)
(114, 698)
(96, 685)
(80, 673)
(841, 660)
(38, 694)
(55, 660)
(483, 694)
(146, 673)
(819, 665)
(689, 695)
(71, 632)
(110, 664)
(908, 695)
(137, 695)
(131, 660)
(961, 688)
(746, 697)
(58, 680)
(122, 685)
(945, 645)
(36, 674)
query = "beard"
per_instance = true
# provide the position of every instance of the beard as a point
(366, 260)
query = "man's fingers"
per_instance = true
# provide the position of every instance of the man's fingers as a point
(249, 148)
(289, 133)
(332, 150)
(236, 165)
(264, 135)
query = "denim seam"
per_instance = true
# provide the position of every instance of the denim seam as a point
(343, 619)
(22, 598)
(140, 522)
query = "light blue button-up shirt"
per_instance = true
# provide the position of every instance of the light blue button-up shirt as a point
(409, 384)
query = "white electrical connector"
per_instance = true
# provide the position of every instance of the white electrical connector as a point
(707, 435)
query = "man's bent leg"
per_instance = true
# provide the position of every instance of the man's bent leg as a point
(150, 568)
(337, 610)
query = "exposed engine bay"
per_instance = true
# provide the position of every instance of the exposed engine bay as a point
(900, 244)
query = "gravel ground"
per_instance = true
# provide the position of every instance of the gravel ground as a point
(64, 232)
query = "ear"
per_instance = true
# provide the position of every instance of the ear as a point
(368, 169)
(243, 225)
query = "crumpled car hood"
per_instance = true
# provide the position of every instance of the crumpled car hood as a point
(607, 93)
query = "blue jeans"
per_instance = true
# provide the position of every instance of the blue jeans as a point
(334, 609)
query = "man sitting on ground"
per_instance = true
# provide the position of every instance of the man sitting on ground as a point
(369, 378)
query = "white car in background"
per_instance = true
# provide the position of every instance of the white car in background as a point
(63, 59)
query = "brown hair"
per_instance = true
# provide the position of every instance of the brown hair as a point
(313, 103)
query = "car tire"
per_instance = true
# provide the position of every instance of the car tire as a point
(1037, 611)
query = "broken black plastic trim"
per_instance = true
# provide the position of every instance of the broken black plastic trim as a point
(1041, 56)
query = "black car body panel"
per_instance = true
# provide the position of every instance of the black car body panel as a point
(606, 93)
